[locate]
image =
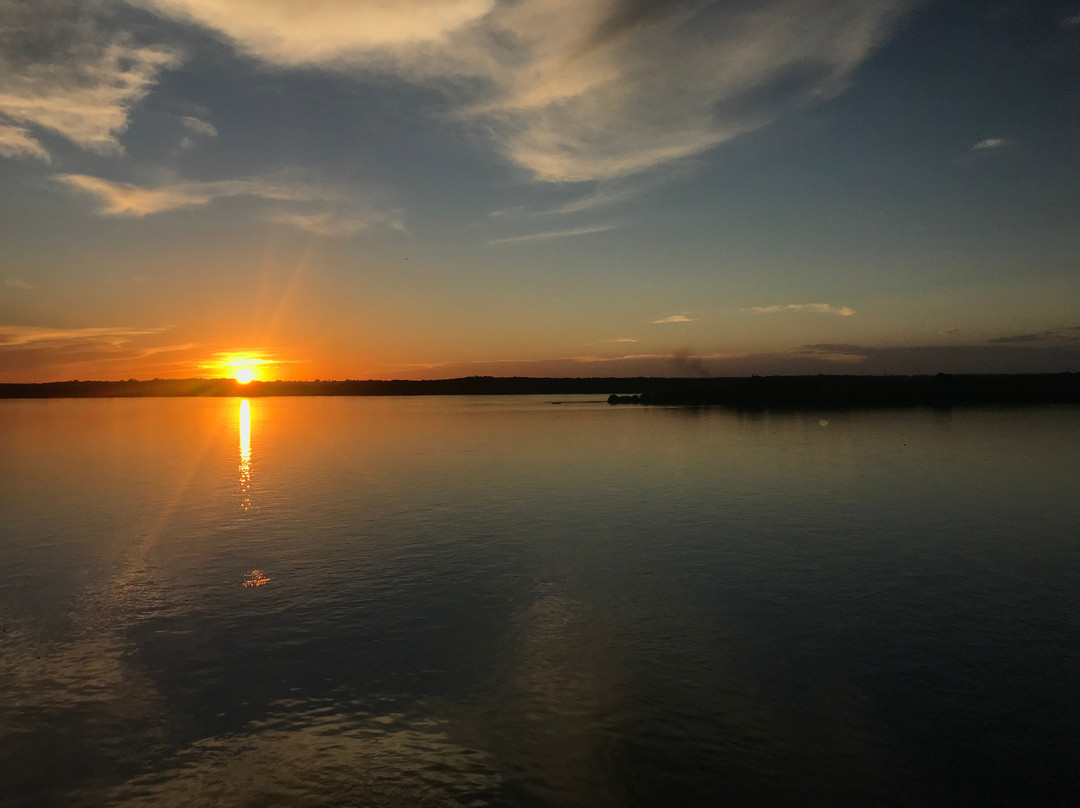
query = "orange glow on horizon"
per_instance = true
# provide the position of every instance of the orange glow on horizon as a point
(245, 367)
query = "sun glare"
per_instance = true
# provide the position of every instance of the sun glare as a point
(245, 367)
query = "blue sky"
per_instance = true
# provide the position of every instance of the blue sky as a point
(445, 187)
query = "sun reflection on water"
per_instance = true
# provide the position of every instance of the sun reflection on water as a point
(256, 578)
(245, 454)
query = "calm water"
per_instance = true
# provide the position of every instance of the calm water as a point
(456, 601)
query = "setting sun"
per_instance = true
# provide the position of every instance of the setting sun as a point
(245, 367)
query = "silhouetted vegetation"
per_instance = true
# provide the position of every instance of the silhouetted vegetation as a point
(755, 392)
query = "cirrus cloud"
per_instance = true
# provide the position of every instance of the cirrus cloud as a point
(22, 336)
(674, 318)
(552, 234)
(990, 144)
(62, 73)
(577, 90)
(351, 213)
(812, 308)
(16, 141)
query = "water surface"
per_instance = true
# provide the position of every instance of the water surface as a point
(500, 601)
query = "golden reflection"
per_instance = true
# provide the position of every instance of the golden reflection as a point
(245, 454)
(256, 579)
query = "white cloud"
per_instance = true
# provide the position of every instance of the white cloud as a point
(576, 90)
(61, 73)
(674, 318)
(17, 142)
(17, 283)
(577, 231)
(990, 143)
(20, 336)
(812, 308)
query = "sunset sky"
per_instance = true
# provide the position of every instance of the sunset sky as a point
(436, 188)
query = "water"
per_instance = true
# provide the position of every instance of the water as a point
(498, 601)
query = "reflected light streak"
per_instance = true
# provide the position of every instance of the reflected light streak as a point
(245, 454)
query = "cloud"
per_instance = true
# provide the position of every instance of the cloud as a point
(17, 142)
(199, 126)
(124, 199)
(335, 225)
(578, 90)
(298, 33)
(1052, 335)
(990, 144)
(22, 336)
(196, 127)
(578, 231)
(674, 318)
(616, 340)
(610, 89)
(813, 308)
(60, 72)
(17, 283)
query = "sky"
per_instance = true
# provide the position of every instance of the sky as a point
(440, 188)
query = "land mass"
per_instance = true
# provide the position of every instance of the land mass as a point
(754, 392)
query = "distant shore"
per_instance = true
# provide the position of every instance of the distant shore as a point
(754, 392)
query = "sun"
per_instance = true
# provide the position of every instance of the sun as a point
(243, 366)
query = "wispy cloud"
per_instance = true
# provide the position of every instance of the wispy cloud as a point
(991, 144)
(617, 191)
(674, 318)
(1052, 335)
(831, 352)
(61, 73)
(350, 212)
(577, 231)
(339, 225)
(15, 141)
(198, 126)
(615, 340)
(127, 199)
(331, 32)
(590, 90)
(17, 283)
(811, 308)
(21, 336)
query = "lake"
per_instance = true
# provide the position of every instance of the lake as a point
(501, 601)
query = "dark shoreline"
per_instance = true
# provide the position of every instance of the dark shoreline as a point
(754, 392)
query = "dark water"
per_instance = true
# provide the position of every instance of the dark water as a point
(505, 602)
